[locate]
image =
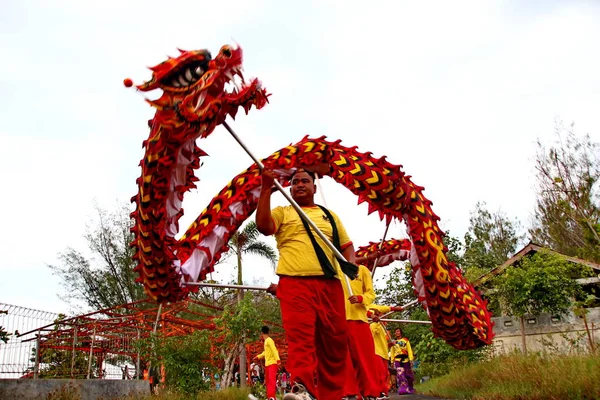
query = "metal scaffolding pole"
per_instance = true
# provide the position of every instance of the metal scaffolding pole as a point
(222, 286)
(36, 366)
(407, 321)
(91, 353)
(379, 249)
(73, 354)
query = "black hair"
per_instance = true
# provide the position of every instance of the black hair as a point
(299, 170)
(265, 330)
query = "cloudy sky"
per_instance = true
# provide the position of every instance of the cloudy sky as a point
(457, 92)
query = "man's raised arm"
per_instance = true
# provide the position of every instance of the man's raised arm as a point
(264, 221)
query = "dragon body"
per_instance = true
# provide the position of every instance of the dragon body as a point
(384, 253)
(458, 314)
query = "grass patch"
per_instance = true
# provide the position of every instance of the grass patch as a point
(519, 377)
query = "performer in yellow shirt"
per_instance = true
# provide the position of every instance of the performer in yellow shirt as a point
(402, 357)
(271, 357)
(309, 290)
(361, 369)
(383, 341)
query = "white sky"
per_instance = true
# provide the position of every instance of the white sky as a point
(457, 92)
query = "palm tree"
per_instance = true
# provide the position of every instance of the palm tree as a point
(248, 242)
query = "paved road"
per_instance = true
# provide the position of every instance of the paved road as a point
(414, 397)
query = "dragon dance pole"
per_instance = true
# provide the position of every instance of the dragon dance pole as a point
(412, 303)
(335, 251)
(407, 321)
(380, 246)
(321, 191)
(218, 285)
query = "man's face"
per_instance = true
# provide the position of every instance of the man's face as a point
(303, 187)
(398, 333)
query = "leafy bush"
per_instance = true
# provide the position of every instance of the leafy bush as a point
(187, 360)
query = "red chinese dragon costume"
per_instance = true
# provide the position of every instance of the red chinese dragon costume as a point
(384, 253)
(193, 103)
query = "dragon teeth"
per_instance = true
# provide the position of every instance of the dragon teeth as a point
(201, 99)
(183, 81)
(235, 83)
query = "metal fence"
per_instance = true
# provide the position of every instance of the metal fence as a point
(50, 345)
(16, 355)
(103, 344)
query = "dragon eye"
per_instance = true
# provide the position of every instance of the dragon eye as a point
(227, 52)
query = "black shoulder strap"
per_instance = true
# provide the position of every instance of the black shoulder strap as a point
(347, 267)
(326, 266)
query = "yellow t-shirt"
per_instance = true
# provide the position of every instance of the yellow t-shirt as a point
(380, 340)
(401, 351)
(297, 255)
(270, 354)
(380, 337)
(361, 286)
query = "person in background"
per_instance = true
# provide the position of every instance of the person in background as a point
(402, 357)
(362, 371)
(271, 357)
(383, 341)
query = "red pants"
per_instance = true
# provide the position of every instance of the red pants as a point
(364, 369)
(271, 380)
(384, 375)
(313, 312)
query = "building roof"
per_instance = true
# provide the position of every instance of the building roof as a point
(531, 248)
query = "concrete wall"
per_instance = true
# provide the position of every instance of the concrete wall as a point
(547, 333)
(16, 389)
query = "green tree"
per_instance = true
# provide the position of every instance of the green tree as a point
(567, 214)
(490, 240)
(107, 278)
(580, 309)
(187, 360)
(397, 288)
(4, 335)
(238, 322)
(247, 241)
(59, 359)
(542, 283)
(435, 356)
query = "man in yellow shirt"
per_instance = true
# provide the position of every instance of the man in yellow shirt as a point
(271, 357)
(383, 341)
(362, 371)
(310, 293)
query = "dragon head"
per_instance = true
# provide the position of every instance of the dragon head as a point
(198, 92)
(202, 90)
